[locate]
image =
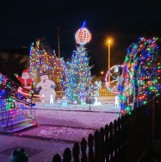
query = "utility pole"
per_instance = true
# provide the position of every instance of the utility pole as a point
(109, 43)
(58, 79)
(58, 30)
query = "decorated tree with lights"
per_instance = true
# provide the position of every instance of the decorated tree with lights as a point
(5, 92)
(142, 60)
(34, 61)
(9, 93)
(78, 71)
(43, 59)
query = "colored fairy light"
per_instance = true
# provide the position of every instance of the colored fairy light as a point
(144, 70)
(9, 98)
(83, 36)
(144, 85)
(43, 59)
(78, 75)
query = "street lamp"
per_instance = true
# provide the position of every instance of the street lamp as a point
(108, 42)
(102, 72)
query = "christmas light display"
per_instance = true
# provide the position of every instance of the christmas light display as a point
(78, 76)
(78, 72)
(26, 82)
(47, 89)
(117, 73)
(13, 103)
(6, 100)
(83, 36)
(43, 59)
(138, 80)
(96, 88)
(142, 62)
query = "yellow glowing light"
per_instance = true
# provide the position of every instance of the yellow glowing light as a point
(109, 41)
(102, 72)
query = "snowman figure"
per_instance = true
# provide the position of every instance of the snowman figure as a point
(47, 89)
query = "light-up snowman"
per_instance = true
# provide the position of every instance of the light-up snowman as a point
(47, 89)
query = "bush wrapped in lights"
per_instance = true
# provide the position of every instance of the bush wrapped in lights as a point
(142, 60)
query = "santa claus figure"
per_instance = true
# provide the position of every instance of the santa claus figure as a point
(25, 80)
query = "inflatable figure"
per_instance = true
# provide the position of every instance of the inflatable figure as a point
(26, 82)
(47, 89)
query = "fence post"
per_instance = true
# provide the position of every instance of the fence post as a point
(83, 150)
(116, 140)
(67, 155)
(125, 128)
(97, 141)
(111, 143)
(122, 133)
(102, 145)
(90, 148)
(76, 152)
(107, 143)
(56, 158)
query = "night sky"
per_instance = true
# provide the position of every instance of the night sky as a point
(22, 22)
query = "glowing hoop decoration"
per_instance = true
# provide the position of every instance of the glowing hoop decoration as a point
(83, 36)
(117, 79)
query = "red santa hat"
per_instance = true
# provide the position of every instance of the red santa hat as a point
(25, 71)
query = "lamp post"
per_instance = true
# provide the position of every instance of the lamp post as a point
(109, 45)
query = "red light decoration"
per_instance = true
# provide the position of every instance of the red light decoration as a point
(83, 36)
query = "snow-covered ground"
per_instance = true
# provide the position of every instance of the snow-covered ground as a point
(59, 127)
(105, 104)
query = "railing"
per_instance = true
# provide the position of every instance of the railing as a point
(124, 140)
(17, 105)
(27, 109)
(7, 116)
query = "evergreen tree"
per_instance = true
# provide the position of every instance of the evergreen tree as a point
(8, 92)
(34, 62)
(78, 75)
(43, 59)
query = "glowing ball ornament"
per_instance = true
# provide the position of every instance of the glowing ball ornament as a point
(83, 36)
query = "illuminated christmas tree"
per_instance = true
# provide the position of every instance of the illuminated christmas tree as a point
(78, 71)
(5, 92)
(43, 59)
(8, 93)
(34, 61)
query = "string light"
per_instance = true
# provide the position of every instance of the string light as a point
(83, 36)
(141, 60)
(43, 60)
(9, 97)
